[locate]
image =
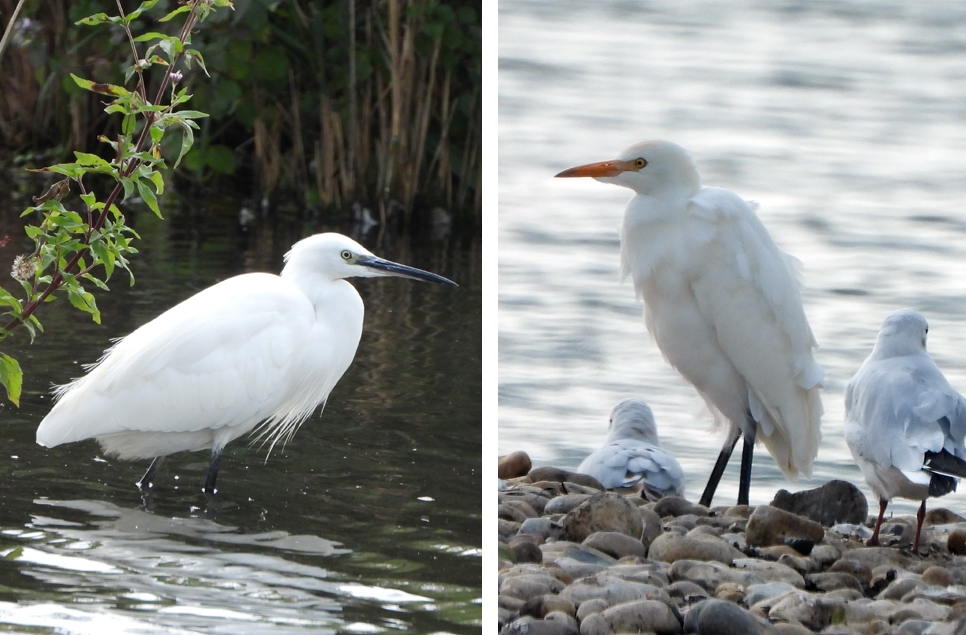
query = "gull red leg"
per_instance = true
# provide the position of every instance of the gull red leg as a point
(920, 518)
(874, 540)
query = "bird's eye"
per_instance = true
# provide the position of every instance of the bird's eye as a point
(346, 255)
(640, 163)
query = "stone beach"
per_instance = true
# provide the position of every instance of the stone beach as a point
(577, 559)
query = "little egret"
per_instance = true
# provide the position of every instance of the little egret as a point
(255, 348)
(722, 302)
(904, 423)
(632, 455)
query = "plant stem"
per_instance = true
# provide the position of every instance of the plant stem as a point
(9, 29)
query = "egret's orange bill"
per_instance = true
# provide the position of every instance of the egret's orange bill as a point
(601, 168)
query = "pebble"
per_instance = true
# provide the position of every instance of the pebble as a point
(513, 465)
(577, 560)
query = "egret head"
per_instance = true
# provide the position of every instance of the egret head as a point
(633, 419)
(902, 333)
(652, 168)
(337, 256)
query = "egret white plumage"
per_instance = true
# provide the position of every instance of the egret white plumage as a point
(723, 304)
(632, 455)
(255, 348)
(904, 423)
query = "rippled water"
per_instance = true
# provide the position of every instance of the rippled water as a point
(846, 121)
(367, 522)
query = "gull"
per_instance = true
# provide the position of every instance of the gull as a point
(632, 457)
(904, 423)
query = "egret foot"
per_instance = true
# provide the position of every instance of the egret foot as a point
(147, 481)
(213, 471)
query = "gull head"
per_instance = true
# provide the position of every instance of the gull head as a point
(902, 333)
(633, 419)
(652, 168)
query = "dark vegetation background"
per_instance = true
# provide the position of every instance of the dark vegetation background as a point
(321, 104)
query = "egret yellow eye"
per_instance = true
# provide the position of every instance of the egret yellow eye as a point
(346, 255)
(640, 163)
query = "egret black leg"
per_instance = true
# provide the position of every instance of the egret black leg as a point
(747, 455)
(719, 468)
(147, 481)
(213, 471)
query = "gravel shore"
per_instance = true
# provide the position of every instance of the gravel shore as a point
(575, 558)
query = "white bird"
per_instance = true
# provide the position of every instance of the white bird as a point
(255, 348)
(723, 304)
(632, 455)
(904, 423)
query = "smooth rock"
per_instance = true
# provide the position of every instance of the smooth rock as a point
(812, 611)
(652, 526)
(615, 544)
(771, 571)
(900, 587)
(531, 626)
(854, 568)
(541, 605)
(772, 526)
(835, 502)
(677, 507)
(513, 465)
(873, 557)
(832, 580)
(606, 511)
(633, 617)
(589, 607)
(671, 547)
(543, 527)
(531, 585)
(711, 574)
(565, 504)
(941, 516)
(790, 628)
(527, 552)
(956, 542)
(937, 576)
(688, 592)
(644, 571)
(611, 589)
(759, 592)
(510, 512)
(716, 617)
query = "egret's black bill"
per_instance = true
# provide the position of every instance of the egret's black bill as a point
(395, 269)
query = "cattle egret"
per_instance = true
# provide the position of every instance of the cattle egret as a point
(631, 456)
(722, 302)
(904, 423)
(255, 348)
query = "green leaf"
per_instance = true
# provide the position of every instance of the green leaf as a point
(190, 114)
(11, 377)
(196, 54)
(84, 301)
(149, 198)
(158, 181)
(187, 140)
(104, 256)
(86, 160)
(99, 18)
(104, 89)
(176, 13)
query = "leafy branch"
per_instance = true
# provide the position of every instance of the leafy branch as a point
(71, 248)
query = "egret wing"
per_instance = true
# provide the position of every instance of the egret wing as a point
(220, 358)
(748, 290)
